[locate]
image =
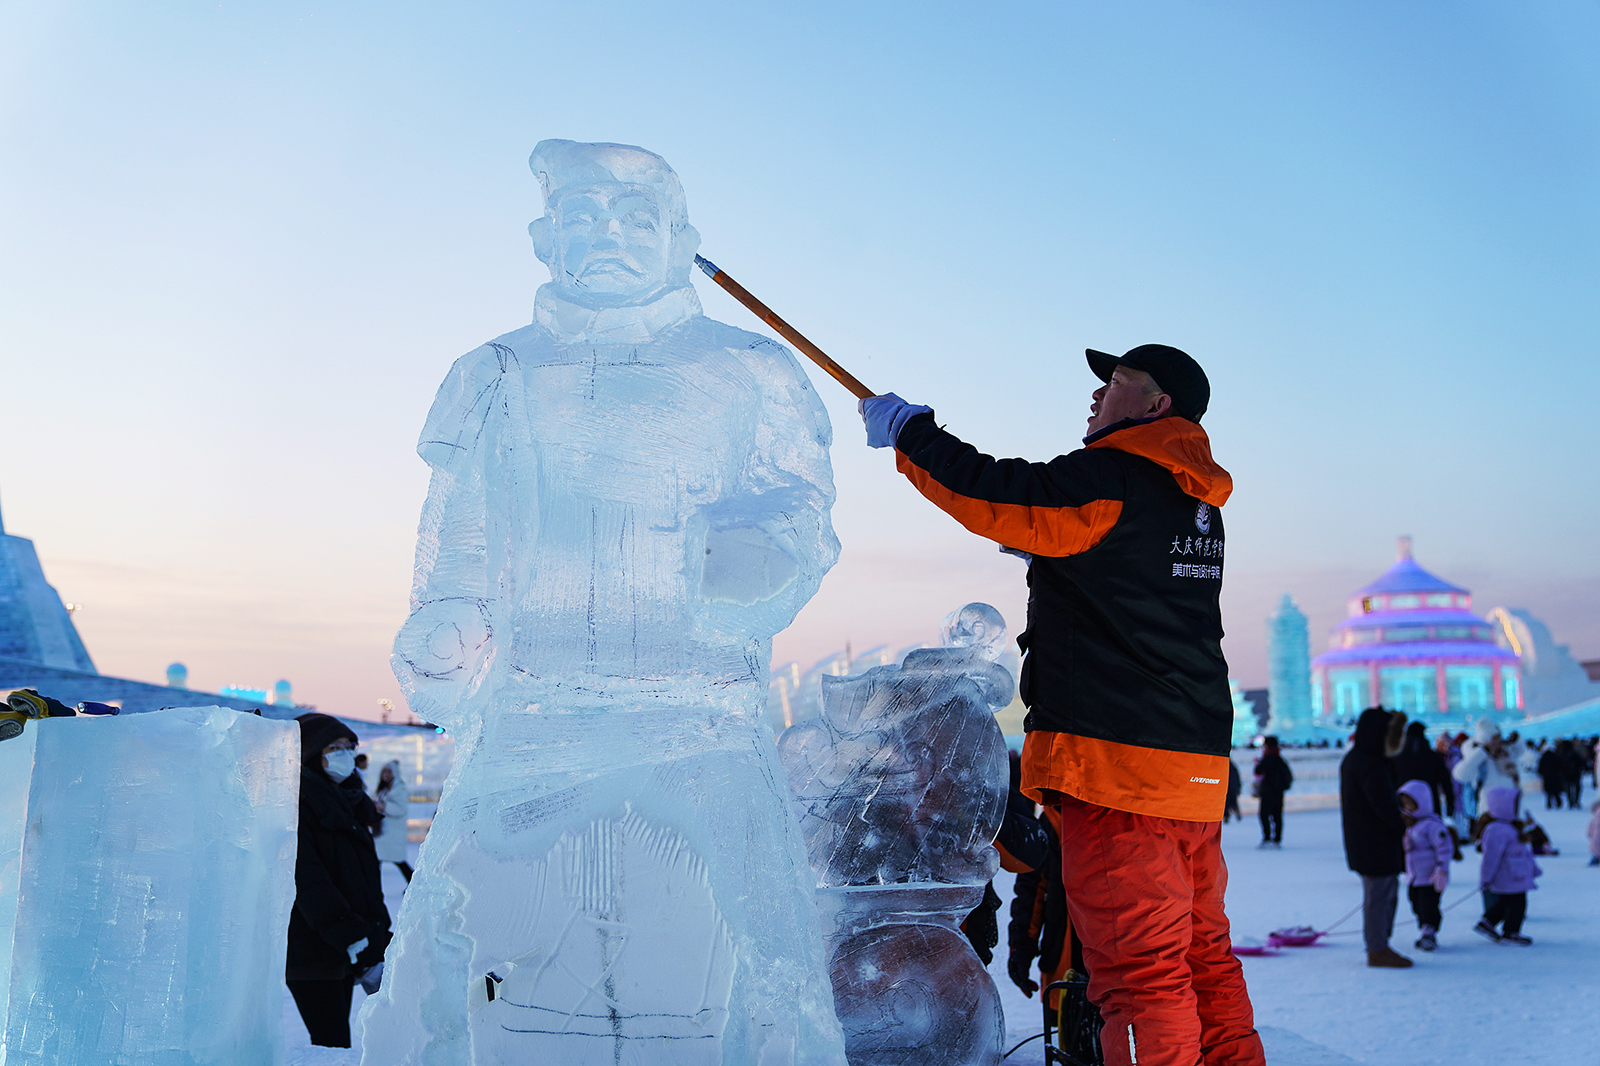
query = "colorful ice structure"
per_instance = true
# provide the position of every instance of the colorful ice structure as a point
(1412, 643)
(1289, 674)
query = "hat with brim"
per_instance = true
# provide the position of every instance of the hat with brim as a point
(1174, 372)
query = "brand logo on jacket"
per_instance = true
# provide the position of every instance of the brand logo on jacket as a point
(1205, 780)
(1202, 518)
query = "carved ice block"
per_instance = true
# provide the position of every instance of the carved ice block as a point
(906, 983)
(900, 785)
(628, 500)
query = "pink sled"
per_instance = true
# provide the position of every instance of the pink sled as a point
(1300, 936)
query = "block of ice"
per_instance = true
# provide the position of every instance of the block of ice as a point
(900, 785)
(157, 874)
(16, 775)
(628, 501)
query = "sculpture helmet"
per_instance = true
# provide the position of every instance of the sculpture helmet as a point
(561, 165)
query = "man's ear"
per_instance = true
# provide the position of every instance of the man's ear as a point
(1160, 407)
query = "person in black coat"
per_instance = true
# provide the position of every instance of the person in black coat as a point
(1419, 761)
(1550, 776)
(1572, 767)
(1039, 927)
(1022, 844)
(1374, 831)
(1230, 807)
(339, 926)
(1272, 779)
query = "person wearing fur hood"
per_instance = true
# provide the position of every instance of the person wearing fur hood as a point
(1486, 763)
(339, 926)
(1428, 848)
(1374, 832)
(1508, 870)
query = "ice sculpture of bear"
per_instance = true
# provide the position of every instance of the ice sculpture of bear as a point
(900, 786)
(628, 501)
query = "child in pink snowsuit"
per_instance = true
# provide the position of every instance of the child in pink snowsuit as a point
(1508, 870)
(1428, 850)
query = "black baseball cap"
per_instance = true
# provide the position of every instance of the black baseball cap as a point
(1178, 375)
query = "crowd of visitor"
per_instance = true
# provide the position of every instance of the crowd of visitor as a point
(1396, 794)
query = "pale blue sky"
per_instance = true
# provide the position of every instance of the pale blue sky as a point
(240, 245)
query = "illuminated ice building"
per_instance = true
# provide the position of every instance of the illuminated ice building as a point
(1412, 643)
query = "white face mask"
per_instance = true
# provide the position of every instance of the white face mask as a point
(341, 763)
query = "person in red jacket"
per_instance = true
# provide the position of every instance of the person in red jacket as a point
(1129, 717)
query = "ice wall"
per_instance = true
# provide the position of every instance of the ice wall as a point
(156, 878)
(628, 500)
(900, 786)
(16, 776)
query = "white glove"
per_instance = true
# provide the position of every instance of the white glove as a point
(1441, 880)
(355, 949)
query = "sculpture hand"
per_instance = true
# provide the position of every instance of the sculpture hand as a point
(442, 654)
(444, 639)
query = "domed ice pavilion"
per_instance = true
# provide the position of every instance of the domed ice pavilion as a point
(1412, 643)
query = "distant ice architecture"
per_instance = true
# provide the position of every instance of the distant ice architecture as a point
(146, 878)
(628, 501)
(900, 787)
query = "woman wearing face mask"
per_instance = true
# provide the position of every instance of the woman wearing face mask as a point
(339, 926)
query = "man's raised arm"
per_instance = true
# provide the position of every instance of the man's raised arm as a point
(1059, 508)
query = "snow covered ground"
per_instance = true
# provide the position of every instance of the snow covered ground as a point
(1470, 1002)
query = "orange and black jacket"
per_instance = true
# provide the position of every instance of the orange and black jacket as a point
(1123, 674)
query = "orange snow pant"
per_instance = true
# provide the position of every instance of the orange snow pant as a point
(1145, 897)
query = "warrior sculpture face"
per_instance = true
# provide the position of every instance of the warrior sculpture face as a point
(612, 241)
(615, 230)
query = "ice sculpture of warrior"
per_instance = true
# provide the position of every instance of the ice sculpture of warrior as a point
(628, 501)
(900, 787)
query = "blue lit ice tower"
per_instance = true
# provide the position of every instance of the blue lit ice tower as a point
(1289, 674)
(1411, 642)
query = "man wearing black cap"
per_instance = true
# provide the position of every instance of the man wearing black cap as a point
(1129, 715)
